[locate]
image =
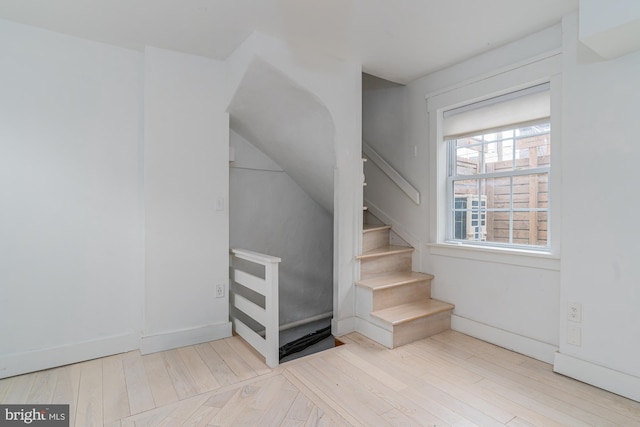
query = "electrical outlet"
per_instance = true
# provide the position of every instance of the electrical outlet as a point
(220, 290)
(574, 312)
(574, 335)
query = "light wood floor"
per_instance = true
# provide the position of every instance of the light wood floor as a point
(447, 380)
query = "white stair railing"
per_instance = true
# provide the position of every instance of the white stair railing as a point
(266, 316)
(393, 174)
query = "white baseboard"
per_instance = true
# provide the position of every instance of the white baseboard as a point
(342, 327)
(606, 378)
(374, 332)
(31, 361)
(306, 321)
(287, 326)
(184, 337)
(518, 343)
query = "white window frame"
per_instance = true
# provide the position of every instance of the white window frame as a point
(542, 70)
(512, 173)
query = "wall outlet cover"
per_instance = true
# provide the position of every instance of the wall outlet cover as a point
(574, 312)
(574, 335)
(219, 291)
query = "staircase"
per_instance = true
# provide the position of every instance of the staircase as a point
(393, 303)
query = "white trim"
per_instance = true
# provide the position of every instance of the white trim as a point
(256, 257)
(300, 322)
(31, 361)
(254, 339)
(495, 73)
(250, 308)
(609, 379)
(344, 326)
(524, 345)
(390, 172)
(308, 320)
(174, 339)
(496, 255)
(374, 332)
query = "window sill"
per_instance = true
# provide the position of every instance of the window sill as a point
(519, 257)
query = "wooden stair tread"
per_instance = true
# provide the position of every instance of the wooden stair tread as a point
(366, 228)
(407, 312)
(390, 280)
(385, 250)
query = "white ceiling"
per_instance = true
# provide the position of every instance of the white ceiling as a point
(399, 40)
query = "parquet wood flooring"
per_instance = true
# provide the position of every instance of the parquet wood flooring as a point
(449, 379)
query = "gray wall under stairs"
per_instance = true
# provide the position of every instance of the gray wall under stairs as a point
(270, 213)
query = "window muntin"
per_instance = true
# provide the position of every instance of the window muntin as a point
(498, 186)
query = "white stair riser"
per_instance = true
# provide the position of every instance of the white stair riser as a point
(364, 302)
(374, 332)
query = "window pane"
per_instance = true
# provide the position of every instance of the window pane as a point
(541, 227)
(465, 187)
(492, 155)
(533, 148)
(469, 211)
(498, 192)
(460, 218)
(530, 191)
(468, 156)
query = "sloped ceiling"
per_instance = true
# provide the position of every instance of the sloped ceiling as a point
(398, 40)
(288, 124)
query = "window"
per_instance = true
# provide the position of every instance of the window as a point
(498, 168)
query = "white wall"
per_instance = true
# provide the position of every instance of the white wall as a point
(271, 214)
(71, 263)
(600, 268)
(503, 300)
(186, 174)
